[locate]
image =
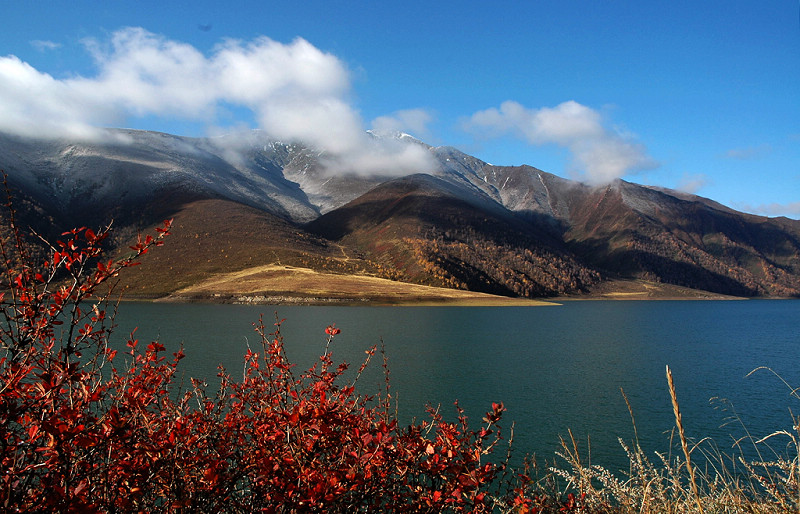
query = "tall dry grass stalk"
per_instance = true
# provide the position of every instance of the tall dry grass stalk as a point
(684, 445)
(757, 479)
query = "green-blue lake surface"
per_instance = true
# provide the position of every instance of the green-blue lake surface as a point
(555, 367)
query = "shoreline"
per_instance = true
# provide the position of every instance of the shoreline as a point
(499, 301)
(422, 301)
(371, 301)
(287, 285)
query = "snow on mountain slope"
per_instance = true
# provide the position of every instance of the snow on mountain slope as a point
(286, 179)
(132, 165)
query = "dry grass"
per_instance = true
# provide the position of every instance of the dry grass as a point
(684, 444)
(637, 289)
(289, 283)
(770, 483)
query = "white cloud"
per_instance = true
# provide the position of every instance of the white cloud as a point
(599, 154)
(383, 156)
(692, 183)
(35, 104)
(790, 210)
(411, 121)
(43, 45)
(748, 153)
(295, 91)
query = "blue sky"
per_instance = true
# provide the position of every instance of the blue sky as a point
(699, 96)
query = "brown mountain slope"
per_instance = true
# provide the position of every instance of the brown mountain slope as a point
(430, 234)
(645, 233)
(638, 232)
(470, 225)
(212, 237)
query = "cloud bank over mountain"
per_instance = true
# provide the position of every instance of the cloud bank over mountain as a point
(294, 91)
(599, 154)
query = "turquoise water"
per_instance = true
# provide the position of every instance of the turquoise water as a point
(555, 368)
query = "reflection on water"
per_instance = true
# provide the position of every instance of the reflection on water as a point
(555, 368)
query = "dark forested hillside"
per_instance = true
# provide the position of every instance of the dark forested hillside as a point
(645, 233)
(421, 228)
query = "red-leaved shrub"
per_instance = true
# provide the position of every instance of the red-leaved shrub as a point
(86, 430)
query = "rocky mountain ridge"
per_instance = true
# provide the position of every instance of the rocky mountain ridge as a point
(514, 231)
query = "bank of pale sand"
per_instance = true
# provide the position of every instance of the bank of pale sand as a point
(274, 284)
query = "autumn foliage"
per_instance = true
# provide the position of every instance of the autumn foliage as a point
(87, 428)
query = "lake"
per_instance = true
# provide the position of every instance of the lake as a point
(555, 367)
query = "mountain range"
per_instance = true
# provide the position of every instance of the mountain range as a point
(253, 216)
